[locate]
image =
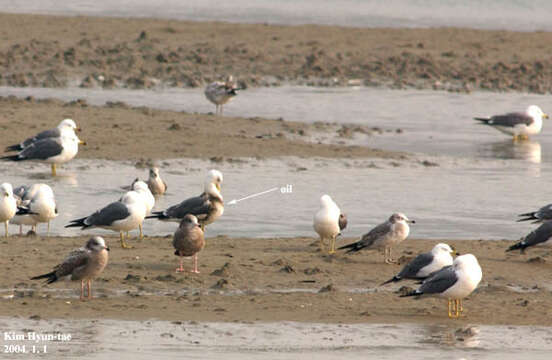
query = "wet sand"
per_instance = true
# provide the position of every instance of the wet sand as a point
(119, 132)
(56, 51)
(269, 280)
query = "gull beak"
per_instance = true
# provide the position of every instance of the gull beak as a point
(545, 116)
(107, 248)
(218, 187)
(411, 221)
(78, 129)
(81, 142)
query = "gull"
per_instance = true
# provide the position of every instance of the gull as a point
(65, 127)
(519, 125)
(188, 240)
(221, 92)
(85, 263)
(156, 185)
(541, 215)
(40, 207)
(453, 282)
(328, 222)
(50, 150)
(541, 236)
(425, 264)
(23, 197)
(385, 235)
(122, 216)
(149, 201)
(207, 207)
(8, 205)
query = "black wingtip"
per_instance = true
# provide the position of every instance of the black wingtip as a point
(483, 120)
(51, 276)
(412, 293)
(393, 279)
(11, 158)
(519, 246)
(13, 148)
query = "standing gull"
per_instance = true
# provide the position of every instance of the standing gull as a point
(85, 263)
(156, 185)
(221, 92)
(519, 125)
(8, 205)
(386, 235)
(50, 150)
(541, 215)
(328, 222)
(149, 200)
(541, 236)
(65, 127)
(39, 208)
(425, 264)
(188, 240)
(207, 207)
(453, 282)
(122, 216)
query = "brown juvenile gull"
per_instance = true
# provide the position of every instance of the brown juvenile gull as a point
(425, 264)
(453, 282)
(519, 125)
(188, 240)
(85, 263)
(385, 235)
(207, 207)
(542, 236)
(221, 92)
(156, 185)
(328, 222)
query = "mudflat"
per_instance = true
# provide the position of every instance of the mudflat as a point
(57, 51)
(273, 279)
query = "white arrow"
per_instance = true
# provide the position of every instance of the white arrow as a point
(233, 202)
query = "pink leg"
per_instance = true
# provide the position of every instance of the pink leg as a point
(195, 270)
(181, 268)
(89, 293)
(82, 290)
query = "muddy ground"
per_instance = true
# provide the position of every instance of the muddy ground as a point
(268, 280)
(55, 51)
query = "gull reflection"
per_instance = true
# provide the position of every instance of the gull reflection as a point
(519, 150)
(445, 335)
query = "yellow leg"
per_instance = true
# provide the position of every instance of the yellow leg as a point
(322, 246)
(450, 308)
(124, 245)
(203, 227)
(6, 225)
(141, 233)
(332, 246)
(53, 169)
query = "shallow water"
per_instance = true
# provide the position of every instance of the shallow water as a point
(528, 15)
(99, 339)
(460, 198)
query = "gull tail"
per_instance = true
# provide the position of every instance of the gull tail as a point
(484, 121)
(157, 215)
(51, 276)
(354, 247)
(393, 279)
(24, 211)
(11, 158)
(529, 216)
(17, 147)
(78, 223)
(521, 246)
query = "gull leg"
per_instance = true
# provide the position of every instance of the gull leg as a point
(450, 309)
(82, 290)
(459, 306)
(195, 270)
(202, 225)
(141, 233)
(124, 245)
(20, 230)
(220, 109)
(6, 225)
(89, 292)
(332, 246)
(48, 229)
(53, 169)
(181, 268)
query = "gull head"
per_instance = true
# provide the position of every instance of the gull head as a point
(189, 220)
(535, 112)
(6, 190)
(132, 197)
(443, 248)
(213, 182)
(465, 262)
(326, 201)
(96, 243)
(140, 186)
(400, 217)
(68, 124)
(153, 173)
